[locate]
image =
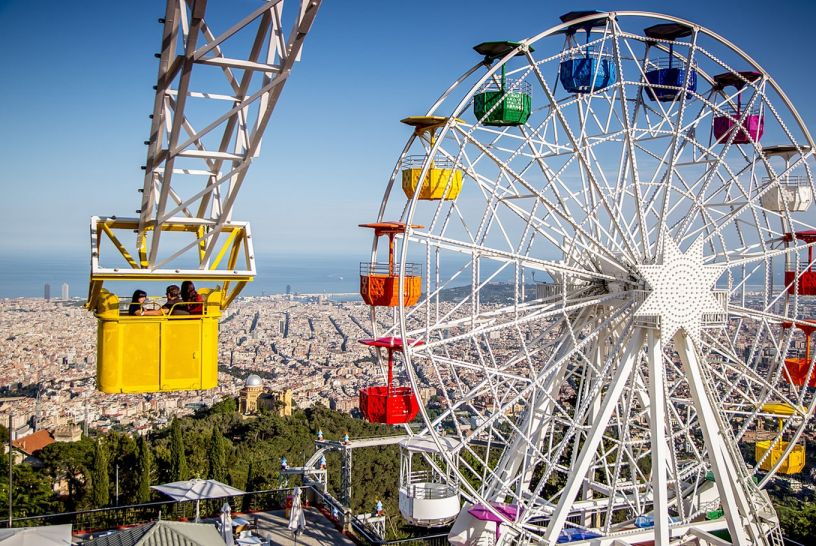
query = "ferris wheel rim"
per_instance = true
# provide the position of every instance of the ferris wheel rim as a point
(725, 252)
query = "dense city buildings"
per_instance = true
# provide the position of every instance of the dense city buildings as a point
(307, 346)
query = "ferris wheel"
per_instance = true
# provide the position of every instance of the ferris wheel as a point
(612, 227)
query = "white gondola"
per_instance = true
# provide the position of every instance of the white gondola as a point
(428, 496)
(793, 192)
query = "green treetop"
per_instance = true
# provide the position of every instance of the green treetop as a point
(178, 459)
(99, 475)
(145, 470)
(217, 456)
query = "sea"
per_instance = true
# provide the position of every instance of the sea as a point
(26, 276)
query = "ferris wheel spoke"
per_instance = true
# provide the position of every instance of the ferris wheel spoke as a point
(582, 464)
(537, 314)
(528, 262)
(629, 157)
(556, 211)
(577, 150)
(736, 379)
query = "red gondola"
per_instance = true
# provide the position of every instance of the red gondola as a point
(389, 404)
(798, 278)
(797, 368)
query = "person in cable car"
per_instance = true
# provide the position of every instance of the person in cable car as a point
(195, 300)
(174, 305)
(137, 303)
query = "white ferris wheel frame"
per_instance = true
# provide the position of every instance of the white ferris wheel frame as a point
(740, 502)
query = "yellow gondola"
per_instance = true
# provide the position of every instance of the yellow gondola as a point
(795, 461)
(442, 179)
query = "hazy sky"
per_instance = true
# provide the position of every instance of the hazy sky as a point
(77, 89)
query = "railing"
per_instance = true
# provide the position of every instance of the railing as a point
(510, 86)
(584, 52)
(430, 540)
(112, 517)
(416, 162)
(795, 181)
(368, 269)
(721, 317)
(737, 113)
(547, 290)
(151, 305)
(430, 491)
(664, 62)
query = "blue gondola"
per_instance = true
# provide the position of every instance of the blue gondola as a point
(666, 81)
(645, 522)
(572, 534)
(586, 70)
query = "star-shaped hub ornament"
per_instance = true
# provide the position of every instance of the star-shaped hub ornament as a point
(681, 289)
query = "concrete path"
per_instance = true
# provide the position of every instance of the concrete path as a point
(319, 530)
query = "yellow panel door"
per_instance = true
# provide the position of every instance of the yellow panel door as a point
(181, 349)
(140, 350)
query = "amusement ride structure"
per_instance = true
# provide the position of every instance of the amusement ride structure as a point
(215, 94)
(657, 185)
(601, 260)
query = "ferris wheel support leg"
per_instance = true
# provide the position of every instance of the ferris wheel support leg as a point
(660, 452)
(588, 451)
(733, 501)
(591, 518)
(511, 463)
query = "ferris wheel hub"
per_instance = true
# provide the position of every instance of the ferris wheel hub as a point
(682, 289)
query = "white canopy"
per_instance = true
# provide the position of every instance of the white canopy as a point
(197, 490)
(52, 535)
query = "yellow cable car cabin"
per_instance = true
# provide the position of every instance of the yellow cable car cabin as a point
(152, 353)
(162, 351)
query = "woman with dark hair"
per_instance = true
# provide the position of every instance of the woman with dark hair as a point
(136, 307)
(189, 294)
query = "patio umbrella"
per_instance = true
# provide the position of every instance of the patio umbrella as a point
(197, 490)
(297, 519)
(52, 535)
(226, 525)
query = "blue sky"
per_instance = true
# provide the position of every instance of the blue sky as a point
(77, 90)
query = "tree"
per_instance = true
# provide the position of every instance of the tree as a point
(145, 470)
(33, 493)
(99, 475)
(178, 459)
(69, 464)
(246, 501)
(217, 456)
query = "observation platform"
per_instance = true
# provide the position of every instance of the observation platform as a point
(319, 530)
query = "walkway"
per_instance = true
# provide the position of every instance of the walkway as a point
(319, 530)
